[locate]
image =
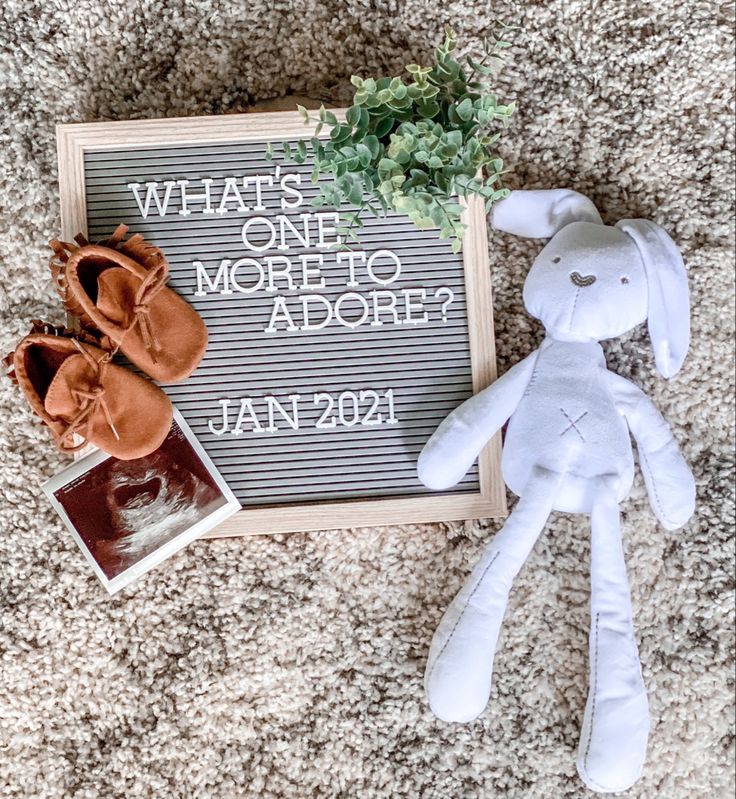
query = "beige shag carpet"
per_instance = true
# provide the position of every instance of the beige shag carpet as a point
(291, 667)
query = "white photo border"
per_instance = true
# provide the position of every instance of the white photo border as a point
(153, 559)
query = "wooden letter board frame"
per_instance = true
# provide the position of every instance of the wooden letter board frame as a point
(74, 140)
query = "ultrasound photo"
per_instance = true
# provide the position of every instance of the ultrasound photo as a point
(129, 515)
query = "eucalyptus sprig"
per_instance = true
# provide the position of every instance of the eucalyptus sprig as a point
(414, 144)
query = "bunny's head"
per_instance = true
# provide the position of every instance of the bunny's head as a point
(592, 281)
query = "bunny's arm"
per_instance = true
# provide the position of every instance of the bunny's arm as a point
(669, 481)
(457, 442)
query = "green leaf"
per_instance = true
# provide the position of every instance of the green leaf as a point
(364, 154)
(340, 133)
(478, 67)
(355, 195)
(465, 109)
(352, 115)
(269, 151)
(372, 143)
(387, 165)
(356, 80)
(402, 157)
(442, 183)
(454, 137)
(383, 127)
(428, 110)
(287, 151)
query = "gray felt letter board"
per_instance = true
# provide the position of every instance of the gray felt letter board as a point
(327, 369)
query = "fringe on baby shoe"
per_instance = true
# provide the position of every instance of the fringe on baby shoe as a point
(136, 247)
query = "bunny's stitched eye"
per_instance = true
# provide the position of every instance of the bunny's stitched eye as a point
(556, 259)
(624, 280)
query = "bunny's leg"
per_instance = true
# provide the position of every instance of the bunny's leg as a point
(613, 741)
(460, 663)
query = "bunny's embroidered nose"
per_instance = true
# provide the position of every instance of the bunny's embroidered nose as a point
(582, 280)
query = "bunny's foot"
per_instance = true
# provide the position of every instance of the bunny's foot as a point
(613, 741)
(460, 663)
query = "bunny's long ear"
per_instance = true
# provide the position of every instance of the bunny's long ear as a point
(669, 300)
(539, 214)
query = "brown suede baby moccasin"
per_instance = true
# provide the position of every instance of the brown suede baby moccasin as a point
(119, 288)
(70, 383)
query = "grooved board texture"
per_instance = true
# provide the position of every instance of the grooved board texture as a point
(423, 368)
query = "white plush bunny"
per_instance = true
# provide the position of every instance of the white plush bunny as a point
(568, 448)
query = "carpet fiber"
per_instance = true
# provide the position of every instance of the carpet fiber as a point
(292, 666)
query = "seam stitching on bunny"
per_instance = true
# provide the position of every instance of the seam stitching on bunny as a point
(572, 310)
(595, 694)
(531, 382)
(573, 424)
(596, 785)
(648, 471)
(462, 613)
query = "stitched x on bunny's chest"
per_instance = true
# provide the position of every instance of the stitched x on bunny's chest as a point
(566, 420)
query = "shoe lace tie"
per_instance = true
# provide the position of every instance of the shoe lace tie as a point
(150, 286)
(91, 401)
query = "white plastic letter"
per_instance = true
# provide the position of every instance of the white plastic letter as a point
(258, 180)
(247, 262)
(246, 408)
(350, 256)
(343, 298)
(279, 308)
(284, 271)
(415, 306)
(203, 277)
(152, 196)
(384, 254)
(315, 299)
(389, 307)
(296, 178)
(303, 238)
(317, 258)
(258, 220)
(275, 405)
(325, 230)
(231, 188)
(225, 422)
(186, 197)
